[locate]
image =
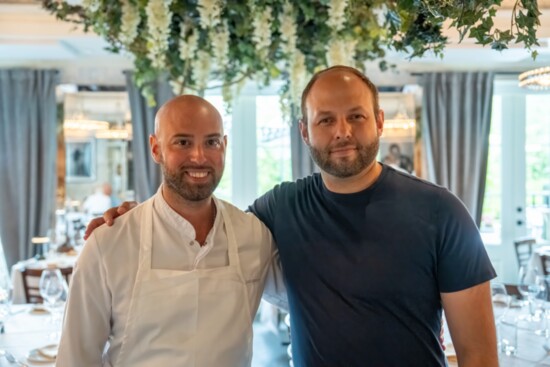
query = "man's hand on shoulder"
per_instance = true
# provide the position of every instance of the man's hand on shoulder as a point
(109, 216)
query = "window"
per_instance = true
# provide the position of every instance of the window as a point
(223, 190)
(517, 194)
(258, 151)
(491, 216)
(273, 144)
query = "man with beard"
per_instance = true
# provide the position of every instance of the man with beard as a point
(178, 281)
(371, 255)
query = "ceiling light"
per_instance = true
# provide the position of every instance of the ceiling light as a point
(400, 121)
(537, 79)
(116, 133)
(84, 124)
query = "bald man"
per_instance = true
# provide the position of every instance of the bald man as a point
(177, 282)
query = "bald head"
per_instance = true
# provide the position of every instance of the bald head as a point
(189, 145)
(335, 73)
(188, 107)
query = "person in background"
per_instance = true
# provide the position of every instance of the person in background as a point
(398, 160)
(371, 256)
(108, 191)
(177, 282)
(99, 201)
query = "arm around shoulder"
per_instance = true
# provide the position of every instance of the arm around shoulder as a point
(275, 289)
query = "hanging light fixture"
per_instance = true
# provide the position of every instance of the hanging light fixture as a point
(81, 123)
(537, 79)
(78, 119)
(114, 133)
(401, 120)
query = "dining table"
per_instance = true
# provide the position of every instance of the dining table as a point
(30, 335)
(533, 347)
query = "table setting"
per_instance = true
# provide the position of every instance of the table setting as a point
(522, 324)
(31, 335)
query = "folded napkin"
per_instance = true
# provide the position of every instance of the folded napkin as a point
(450, 353)
(46, 354)
(38, 309)
(49, 351)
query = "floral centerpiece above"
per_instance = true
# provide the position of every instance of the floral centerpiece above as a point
(200, 41)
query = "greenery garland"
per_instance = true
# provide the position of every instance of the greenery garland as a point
(230, 41)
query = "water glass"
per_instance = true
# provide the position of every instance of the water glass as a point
(501, 301)
(52, 286)
(508, 337)
(531, 286)
(5, 304)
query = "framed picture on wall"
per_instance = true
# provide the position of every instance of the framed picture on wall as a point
(398, 153)
(80, 160)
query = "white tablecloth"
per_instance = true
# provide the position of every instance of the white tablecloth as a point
(25, 331)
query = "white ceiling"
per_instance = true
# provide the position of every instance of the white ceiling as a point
(30, 36)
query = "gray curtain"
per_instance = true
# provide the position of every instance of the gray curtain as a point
(456, 124)
(147, 174)
(28, 157)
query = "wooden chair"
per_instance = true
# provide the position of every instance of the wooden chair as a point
(512, 290)
(31, 278)
(524, 250)
(545, 261)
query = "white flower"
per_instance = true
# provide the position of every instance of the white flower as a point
(341, 52)
(219, 40)
(209, 12)
(298, 76)
(288, 29)
(262, 31)
(380, 13)
(201, 69)
(177, 85)
(188, 47)
(227, 95)
(337, 14)
(159, 18)
(91, 5)
(129, 22)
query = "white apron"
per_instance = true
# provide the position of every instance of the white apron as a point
(198, 318)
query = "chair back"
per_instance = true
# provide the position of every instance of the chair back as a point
(31, 280)
(524, 250)
(545, 261)
(512, 290)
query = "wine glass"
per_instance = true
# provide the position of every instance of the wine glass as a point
(6, 293)
(51, 287)
(501, 301)
(54, 237)
(531, 286)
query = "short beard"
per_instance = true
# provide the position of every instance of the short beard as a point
(346, 168)
(175, 180)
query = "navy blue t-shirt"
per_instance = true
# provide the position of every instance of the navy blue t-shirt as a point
(364, 271)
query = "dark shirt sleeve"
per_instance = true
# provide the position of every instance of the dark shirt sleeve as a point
(462, 259)
(264, 207)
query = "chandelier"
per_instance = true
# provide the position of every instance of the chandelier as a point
(537, 79)
(114, 133)
(400, 121)
(81, 123)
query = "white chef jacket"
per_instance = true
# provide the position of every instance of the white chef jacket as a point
(102, 283)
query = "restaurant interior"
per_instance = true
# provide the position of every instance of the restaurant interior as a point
(81, 147)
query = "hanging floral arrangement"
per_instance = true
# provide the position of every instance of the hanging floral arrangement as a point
(204, 42)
